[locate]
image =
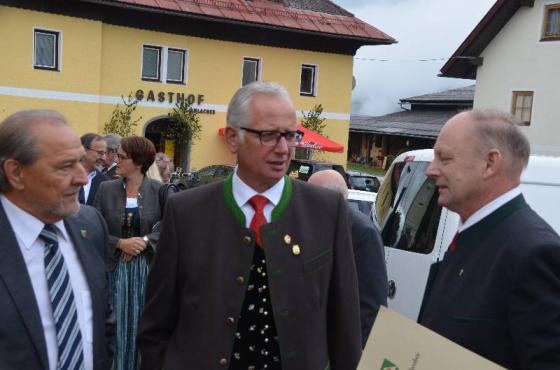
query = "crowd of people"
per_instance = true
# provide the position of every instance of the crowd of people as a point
(258, 271)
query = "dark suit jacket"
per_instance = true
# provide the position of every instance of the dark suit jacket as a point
(371, 269)
(111, 201)
(97, 180)
(111, 174)
(498, 293)
(22, 342)
(199, 278)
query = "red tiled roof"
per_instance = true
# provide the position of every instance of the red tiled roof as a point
(270, 13)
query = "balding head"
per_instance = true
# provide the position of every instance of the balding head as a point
(330, 179)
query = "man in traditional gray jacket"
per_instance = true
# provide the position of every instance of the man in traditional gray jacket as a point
(256, 271)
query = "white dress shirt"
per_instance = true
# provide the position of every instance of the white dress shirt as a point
(489, 208)
(87, 187)
(27, 229)
(243, 192)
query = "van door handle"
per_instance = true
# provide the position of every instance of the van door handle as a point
(392, 289)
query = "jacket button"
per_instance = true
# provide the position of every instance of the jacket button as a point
(247, 239)
(223, 362)
(230, 320)
(240, 280)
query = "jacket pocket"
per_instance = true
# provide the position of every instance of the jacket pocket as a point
(317, 262)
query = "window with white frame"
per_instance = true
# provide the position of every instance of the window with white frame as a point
(46, 46)
(308, 82)
(522, 105)
(551, 22)
(163, 64)
(151, 63)
(251, 67)
(175, 66)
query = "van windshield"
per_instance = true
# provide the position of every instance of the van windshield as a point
(407, 208)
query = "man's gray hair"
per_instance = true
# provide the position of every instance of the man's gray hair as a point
(496, 129)
(17, 140)
(238, 113)
(113, 142)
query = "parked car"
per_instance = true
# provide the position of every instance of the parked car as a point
(362, 201)
(303, 168)
(207, 175)
(360, 181)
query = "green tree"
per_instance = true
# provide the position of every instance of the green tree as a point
(313, 121)
(121, 121)
(184, 126)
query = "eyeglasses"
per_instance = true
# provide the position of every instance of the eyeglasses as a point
(271, 138)
(101, 153)
(122, 157)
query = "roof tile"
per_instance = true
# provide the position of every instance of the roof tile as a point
(309, 15)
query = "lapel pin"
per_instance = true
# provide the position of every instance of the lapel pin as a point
(83, 233)
(287, 239)
(296, 250)
(461, 272)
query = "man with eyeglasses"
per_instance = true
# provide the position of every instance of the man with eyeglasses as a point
(110, 163)
(93, 161)
(256, 271)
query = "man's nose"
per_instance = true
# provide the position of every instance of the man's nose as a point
(80, 177)
(431, 171)
(282, 145)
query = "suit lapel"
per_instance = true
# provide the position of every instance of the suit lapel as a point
(79, 233)
(14, 274)
(93, 189)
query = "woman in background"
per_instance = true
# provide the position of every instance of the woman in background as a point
(130, 205)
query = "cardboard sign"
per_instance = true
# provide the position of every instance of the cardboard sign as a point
(397, 343)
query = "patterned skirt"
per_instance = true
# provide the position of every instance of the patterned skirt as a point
(128, 282)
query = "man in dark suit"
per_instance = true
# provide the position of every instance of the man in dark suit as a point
(93, 161)
(368, 253)
(497, 290)
(256, 271)
(110, 163)
(55, 305)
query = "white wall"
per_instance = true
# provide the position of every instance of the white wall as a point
(517, 61)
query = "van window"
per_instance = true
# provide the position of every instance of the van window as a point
(387, 192)
(413, 216)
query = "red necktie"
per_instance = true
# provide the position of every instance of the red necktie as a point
(258, 202)
(453, 244)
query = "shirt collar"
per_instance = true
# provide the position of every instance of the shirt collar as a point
(91, 175)
(489, 208)
(26, 226)
(243, 192)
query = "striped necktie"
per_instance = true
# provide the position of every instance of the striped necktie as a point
(68, 335)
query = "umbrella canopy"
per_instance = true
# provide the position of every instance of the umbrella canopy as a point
(312, 140)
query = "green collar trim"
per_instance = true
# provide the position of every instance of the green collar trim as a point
(489, 222)
(285, 199)
(230, 200)
(277, 212)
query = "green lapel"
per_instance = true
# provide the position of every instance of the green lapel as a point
(276, 213)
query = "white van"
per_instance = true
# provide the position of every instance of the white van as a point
(416, 231)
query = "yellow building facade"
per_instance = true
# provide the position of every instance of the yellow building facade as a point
(82, 64)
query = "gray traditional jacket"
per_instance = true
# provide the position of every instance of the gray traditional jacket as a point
(110, 200)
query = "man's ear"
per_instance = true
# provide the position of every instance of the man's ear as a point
(232, 139)
(13, 171)
(494, 162)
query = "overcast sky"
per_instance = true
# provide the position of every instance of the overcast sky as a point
(424, 29)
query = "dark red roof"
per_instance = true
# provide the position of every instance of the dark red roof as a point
(272, 13)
